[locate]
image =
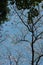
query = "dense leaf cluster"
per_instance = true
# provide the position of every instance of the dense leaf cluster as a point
(32, 14)
(26, 4)
(21, 4)
(3, 10)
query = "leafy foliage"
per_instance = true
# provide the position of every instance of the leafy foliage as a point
(21, 4)
(28, 4)
(3, 10)
(32, 14)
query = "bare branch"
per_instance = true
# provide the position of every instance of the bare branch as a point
(38, 59)
(38, 20)
(39, 34)
(9, 55)
(22, 41)
(22, 20)
(38, 37)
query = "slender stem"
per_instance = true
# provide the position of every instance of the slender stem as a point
(32, 44)
(39, 59)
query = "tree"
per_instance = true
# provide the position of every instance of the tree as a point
(32, 24)
(22, 5)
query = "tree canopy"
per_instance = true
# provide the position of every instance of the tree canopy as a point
(21, 4)
(25, 4)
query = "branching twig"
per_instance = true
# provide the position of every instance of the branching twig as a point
(38, 59)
